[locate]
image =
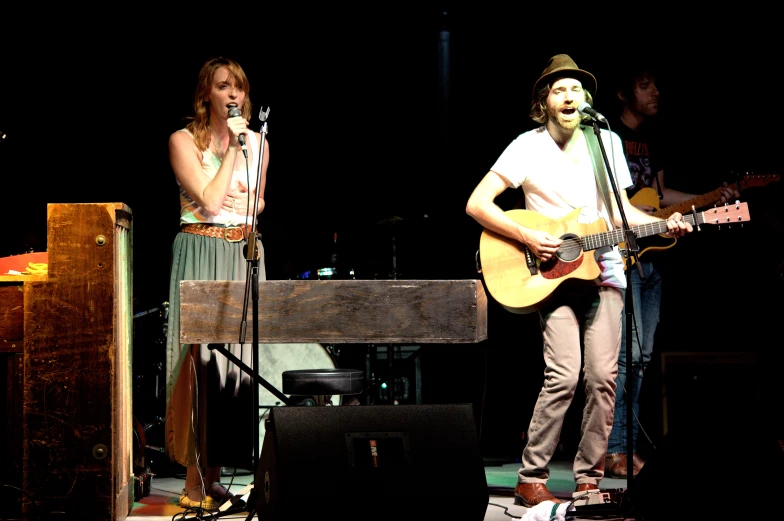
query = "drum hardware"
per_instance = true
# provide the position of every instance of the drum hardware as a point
(142, 476)
(395, 373)
(310, 384)
(149, 379)
(279, 358)
(399, 390)
(163, 310)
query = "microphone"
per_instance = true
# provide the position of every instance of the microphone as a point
(234, 112)
(585, 108)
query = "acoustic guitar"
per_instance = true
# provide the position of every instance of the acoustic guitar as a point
(649, 197)
(520, 282)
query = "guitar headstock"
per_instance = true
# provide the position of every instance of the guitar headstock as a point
(727, 214)
(751, 180)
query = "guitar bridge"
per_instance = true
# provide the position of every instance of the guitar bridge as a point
(530, 261)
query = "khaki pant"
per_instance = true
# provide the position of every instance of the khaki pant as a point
(579, 323)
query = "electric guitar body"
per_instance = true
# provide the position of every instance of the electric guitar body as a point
(649, 197)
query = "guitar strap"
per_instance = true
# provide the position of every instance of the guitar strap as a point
(599, 171)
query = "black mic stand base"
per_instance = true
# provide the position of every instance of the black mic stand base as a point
(238, 505)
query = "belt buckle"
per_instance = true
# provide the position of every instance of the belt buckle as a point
(226, 233)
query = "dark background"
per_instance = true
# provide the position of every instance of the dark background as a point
(397, 112)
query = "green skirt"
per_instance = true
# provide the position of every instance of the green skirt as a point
(209, 401)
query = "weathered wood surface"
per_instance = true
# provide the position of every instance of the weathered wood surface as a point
(336, 311)
(11, 317)
(74, 414)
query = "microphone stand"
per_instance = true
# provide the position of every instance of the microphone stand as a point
(252, 255)
(631, 254)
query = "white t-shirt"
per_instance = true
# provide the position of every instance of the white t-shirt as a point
(555, 183)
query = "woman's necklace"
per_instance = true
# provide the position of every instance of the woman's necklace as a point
(216, 146)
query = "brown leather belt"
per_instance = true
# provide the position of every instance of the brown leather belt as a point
(229, 233)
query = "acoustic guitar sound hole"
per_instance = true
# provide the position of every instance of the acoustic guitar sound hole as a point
(571, 248)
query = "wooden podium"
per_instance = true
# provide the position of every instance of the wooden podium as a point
(65, 345)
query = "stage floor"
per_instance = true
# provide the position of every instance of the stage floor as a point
(162, 502)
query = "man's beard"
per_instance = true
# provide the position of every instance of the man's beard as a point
(566, 124)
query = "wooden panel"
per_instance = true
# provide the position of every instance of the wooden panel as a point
(11, 347)
(77, 422)
(11, 317)
(336, 311)
(11, 433)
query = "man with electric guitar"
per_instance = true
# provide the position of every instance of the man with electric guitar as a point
(581, 295)
(637, 94)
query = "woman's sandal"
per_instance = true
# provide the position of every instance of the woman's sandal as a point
(206, 504)
(219, 493)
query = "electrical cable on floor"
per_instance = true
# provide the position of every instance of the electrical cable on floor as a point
(506, 511)
(201, 515)
(639, 424)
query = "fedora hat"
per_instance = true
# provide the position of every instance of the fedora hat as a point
(562, 66)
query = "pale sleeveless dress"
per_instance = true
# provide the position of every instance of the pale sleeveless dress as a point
(209, 405)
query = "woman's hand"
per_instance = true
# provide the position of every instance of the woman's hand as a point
(238, 199)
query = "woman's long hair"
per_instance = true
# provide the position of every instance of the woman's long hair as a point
(199, 123)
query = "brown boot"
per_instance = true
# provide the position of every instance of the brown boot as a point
(531, 494)
(637, 463)
(615, 465)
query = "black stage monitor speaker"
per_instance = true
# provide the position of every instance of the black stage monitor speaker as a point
(719, 434)
(687, 478)
(378, 462)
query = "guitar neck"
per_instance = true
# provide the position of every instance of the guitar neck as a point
(611, 238)
(698, 202)
(710, 198)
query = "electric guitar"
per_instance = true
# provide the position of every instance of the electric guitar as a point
(519, 281)
(649, 197)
